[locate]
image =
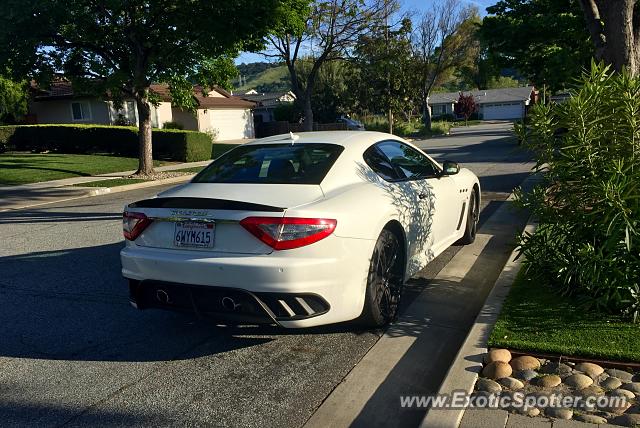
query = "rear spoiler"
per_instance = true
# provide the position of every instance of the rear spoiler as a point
(203, 203)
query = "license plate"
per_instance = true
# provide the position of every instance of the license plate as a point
(194, 234)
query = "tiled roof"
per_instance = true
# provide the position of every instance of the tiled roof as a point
(219, 102)
(61, 88)
(489, 96)
(266, 99)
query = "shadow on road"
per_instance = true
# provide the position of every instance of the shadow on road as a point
(73, 305)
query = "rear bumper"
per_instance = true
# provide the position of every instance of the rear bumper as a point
(228, 304)
(333, 270)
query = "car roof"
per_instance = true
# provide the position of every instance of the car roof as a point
(350, 140)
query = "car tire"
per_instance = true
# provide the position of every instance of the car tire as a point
(384, 282)
(472, 221)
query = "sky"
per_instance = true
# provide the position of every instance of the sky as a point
(407, 5)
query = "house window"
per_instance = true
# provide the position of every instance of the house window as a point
(80, 111)
(131, 112)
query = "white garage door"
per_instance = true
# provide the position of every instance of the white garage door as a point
(502, 111)
(232, 124)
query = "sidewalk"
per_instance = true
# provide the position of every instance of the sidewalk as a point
(46, 192)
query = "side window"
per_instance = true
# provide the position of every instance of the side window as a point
(409, 161)
(379, 163)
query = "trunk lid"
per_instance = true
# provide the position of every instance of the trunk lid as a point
(216, 209)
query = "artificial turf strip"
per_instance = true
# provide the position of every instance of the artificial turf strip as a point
(111, 183)
(536, 319)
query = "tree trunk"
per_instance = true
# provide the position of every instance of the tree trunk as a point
(307, 125)
(426, 115)
(145, 159)
(390, 119)
(615, 32)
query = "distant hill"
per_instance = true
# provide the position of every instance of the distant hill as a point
(263, 77)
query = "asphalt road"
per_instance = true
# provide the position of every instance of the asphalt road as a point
(73, 352)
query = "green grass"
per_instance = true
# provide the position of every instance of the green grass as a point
(535, 318)
(469, 123)
(413, 128)
(111, 183)
(23, 168)
(193, 170)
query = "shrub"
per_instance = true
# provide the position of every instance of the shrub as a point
(587, 243)
(186, 146)
(172, 125)
(219, 149)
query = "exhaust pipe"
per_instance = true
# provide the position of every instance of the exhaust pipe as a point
(229, 304)
(163, 297)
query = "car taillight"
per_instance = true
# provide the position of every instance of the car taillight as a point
(133, 224)
(285, 233)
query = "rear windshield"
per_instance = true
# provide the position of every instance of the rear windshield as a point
(272, 163)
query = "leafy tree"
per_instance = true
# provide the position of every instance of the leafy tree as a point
(385, 79)
(546, 40)
(438, 48)
(501, 82)
(466, 106)
(614, 26)
(331, 95)
(121, 47)
(13, 100)
(331, 30)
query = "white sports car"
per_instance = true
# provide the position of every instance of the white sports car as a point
(299, 230)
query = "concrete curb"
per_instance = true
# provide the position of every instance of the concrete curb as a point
(464, 370)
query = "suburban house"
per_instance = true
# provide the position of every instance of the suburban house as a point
(493, 104)
(228, 117)
(266, 103)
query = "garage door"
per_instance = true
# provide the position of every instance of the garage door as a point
(232, 124)
(502, 111)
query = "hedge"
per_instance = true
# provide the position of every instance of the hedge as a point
(168, 144)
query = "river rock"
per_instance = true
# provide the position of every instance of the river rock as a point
(525, 362)
(590, 369)
(559, 369)
(633, 387)
(611, 383)
(526, 375)
(592, 419)
(558, 413)
(527, 411)
(502, 355)
(488, 385)
(591, 390)
(497, 370)
(578, 381)
(549, 381)
(627, 420)
(511, 383)
(623, 393)
(620, 374)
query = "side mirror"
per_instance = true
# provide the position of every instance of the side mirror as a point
(450, 168)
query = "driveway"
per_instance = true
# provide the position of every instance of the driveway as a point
(73, 352)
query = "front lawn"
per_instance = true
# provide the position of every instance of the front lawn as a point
(536, 319)
(22, 168)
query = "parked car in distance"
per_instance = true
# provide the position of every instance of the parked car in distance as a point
(299, 230)
(352, 124)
